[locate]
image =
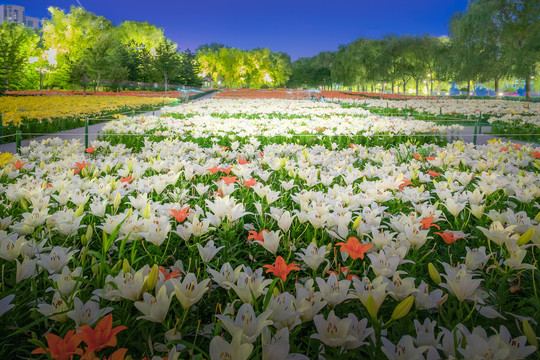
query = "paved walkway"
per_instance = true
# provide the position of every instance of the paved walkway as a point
(467, 134)
(93, 131)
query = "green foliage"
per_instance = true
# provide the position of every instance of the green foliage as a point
(243, 68)
(17, 44)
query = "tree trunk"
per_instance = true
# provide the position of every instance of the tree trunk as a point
(496, 86)
(417, 81)
(438, 88)
(404, 87)
(97, 83)
(371, 87)
(468, 89)
(392, 87)
(431, 88)
(528, 88)
(165, 78)
(357, 88)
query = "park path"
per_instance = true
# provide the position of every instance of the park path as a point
(78, 133)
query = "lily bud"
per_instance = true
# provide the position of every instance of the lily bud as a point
(357, 222)
(89, 233)
(537, 217)
(526, 237)
(371, 307)
(152, 279)
(125, 266)
(146, 212)
(117, 266)
(95, 266)
(529, 333)
(116, 201)
(434, 274)
(403, 308)
(79, 211)
(24, 203)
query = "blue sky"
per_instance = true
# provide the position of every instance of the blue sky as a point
(297, 27)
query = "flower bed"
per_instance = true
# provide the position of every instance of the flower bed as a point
(228, 247)
(16, 110)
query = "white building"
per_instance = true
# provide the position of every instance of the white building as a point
(15, 14)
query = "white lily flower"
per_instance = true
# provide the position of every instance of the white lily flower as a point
(246, 325)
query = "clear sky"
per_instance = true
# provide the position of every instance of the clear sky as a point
(297, 27)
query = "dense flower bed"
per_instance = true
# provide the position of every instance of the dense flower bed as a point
(231, 248)
(17, 109)
(494, 108)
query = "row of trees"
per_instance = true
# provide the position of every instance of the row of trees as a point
(81, 49)
(232, 67)
(492, 40)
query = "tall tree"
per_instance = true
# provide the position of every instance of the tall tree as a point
(17, 43)
(166, 62)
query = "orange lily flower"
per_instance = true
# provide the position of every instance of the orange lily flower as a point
(126, 179)
(281, 269)
(226, 170)
(503, 149)
(119, 354)
(214, 169)
(430, 158)
(242, 161)
(257, 236)
(251, 182)
(448, 236)
(404, 183)
(417, 156)
(354, 248)
(180, 215)
(224, 148)
(229, 179)
(536, 154)
(517, 146)
(427, 223)
(101, 336)
(345, 271)
(62, 349)
(170, 275)
(82, 165)
(91, 149)
(18, 165)
(434, 173)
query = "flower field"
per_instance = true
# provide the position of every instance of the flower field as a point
(270, 229)
(15, 109)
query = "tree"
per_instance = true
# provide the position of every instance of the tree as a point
(166, 62)
(98, 57)
(494, 38)
(72, 37)
(189, 69)
(16, 45)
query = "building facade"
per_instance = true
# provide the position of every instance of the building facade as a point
(15, 14)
